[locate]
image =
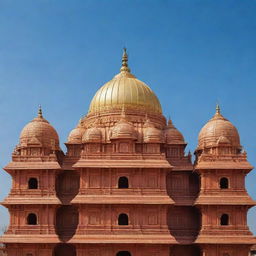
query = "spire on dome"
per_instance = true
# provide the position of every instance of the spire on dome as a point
(125, 62)
(170, 124)
(218, 115)
(40, 129)
(40, 113)
(217, 109)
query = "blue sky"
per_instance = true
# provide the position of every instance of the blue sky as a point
(192, 53)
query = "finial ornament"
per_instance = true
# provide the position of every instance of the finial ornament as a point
(169, 120)
(40, 113)
(170, 124)
(217, 109)
(125, 62)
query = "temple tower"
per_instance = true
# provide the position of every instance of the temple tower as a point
(117, 151)
(222, 165)
(32, 201)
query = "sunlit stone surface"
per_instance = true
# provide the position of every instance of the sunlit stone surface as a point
(125, 186)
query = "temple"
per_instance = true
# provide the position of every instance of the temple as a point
(125, 186)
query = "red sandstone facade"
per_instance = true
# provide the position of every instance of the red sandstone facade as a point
(125, 186)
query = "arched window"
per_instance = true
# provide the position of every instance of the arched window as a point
(123, 182)
(123, 253)
(224, 220)
(32, 219)
(33, 183)
(123, 219)
(224, 183)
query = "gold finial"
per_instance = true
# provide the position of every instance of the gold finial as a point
(40, 113)
(217, 109)
(125, 62)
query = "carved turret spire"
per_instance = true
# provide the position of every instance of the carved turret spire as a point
(125, 62)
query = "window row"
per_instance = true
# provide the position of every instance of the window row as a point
(123, 219)
(123, 182)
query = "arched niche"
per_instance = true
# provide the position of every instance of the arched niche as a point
(224, 183)
(224, 220)
(32, 183)
(123, 182)
(32, 219)
(123, 219)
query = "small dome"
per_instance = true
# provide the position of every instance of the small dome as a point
(218, 131)
(151, 133)
(92, 134)
(39, 132)
(76, 134)
(172, 135)
(123, 130)
(125, 90)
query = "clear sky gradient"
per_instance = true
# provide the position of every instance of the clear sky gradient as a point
(192, 53)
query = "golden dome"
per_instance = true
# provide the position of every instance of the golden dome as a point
(125, 90)
(218, 131)
(172, 135)
(39, 132)
(76, 134)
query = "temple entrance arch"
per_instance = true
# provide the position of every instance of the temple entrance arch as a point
(64, 249)
(123, 253)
